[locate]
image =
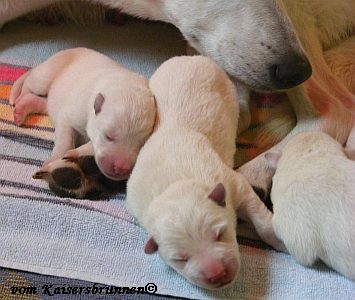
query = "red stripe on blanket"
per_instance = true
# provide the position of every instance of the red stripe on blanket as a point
(9, 73)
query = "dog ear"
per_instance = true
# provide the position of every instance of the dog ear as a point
(273, 158)
(40, 174)
(350, 153)
(99, 101)
(151, 246)
(218, 195)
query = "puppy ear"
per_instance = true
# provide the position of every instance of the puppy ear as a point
(99, 101)
(273, 158)
(350, 153)
(40, 175)
(151, 246)
(218, 195)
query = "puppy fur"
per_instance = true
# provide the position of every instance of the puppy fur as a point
(87, 94)
(183, 189)
(313, 198)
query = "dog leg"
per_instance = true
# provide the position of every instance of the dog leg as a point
(341, 61)
(84, 150)
(254, 211)
(29, 104)
(64, 141)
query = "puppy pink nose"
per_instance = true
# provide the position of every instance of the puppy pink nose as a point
(121, 171)
(122, 167)
(214, 272)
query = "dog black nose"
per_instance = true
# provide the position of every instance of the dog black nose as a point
(291, 72)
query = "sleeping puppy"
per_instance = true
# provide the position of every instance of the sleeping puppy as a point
(90, 96)
(183, 189)
(313, 197)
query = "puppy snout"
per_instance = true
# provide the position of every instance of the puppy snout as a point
(290, 72)
(217, 278)
(118, 169)
(214, 272)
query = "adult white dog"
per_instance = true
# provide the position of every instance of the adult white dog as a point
(255, 42)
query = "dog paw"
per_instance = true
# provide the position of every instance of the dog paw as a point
(71, 155)
(19, 116)
(259, 175)
(67, 177)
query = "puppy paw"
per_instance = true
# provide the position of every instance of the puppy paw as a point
(71, 155)
(19, 116)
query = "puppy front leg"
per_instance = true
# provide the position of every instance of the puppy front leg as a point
(64, 140)
(254, 211)
(84, 150)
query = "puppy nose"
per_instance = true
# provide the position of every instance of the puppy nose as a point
(214, 272)
(291, 72)
(121, 171)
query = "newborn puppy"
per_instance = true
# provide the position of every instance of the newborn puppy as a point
(183, 189)
(89, 95)
(313, 197)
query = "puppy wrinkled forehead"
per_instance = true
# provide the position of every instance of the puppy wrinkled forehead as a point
(196, 225)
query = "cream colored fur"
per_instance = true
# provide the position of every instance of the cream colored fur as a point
(313, 197)
(323, 103)
(183, 163)
(246, 38)
(209, 26)
(86, 93)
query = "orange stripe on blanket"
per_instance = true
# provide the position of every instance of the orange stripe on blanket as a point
(6, 114)
(10, 74)
(5, 91)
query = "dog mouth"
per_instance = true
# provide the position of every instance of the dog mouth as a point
(115, 176)
(225, 282)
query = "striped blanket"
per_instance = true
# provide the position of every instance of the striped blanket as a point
(98, 241)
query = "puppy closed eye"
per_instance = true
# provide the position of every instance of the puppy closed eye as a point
(110, 138)
(181, 259)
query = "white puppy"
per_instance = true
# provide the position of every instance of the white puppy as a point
(183, 189)
(87, 94)
(313, 196)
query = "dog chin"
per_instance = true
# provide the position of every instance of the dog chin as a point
(115, 177)
(221, 285)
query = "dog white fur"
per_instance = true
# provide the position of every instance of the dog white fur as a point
(183, 189)
(323, 103)
(209, 26)
(313, 197)
(251, 40)
(86, 93)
